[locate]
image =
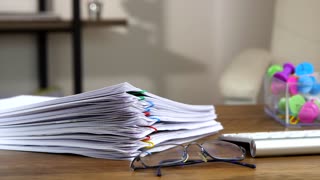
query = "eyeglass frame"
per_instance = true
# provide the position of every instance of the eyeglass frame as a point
(204, 154)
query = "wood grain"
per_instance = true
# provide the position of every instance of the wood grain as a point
(27, 165)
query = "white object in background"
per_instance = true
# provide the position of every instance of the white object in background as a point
(241, 81)
(94, 9)
(278, 143)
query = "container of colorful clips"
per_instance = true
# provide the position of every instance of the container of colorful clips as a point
(292, 94)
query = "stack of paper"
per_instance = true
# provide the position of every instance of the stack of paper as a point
(115, 122)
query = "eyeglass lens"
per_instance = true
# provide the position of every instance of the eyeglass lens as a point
(166, 155)
(158, 156)
(223, 150)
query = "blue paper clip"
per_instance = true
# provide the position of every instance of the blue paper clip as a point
(155, 118)
(147, 109)
(151, 104)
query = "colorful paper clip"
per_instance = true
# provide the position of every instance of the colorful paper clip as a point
(139, 94)
(151, 104)
(147, 138)
(151, 144)
(155, 118)
(153, 128)
(293, 120)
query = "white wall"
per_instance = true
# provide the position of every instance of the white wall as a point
(173, 48)
(240, 25)
(212, 33)
(296, 32)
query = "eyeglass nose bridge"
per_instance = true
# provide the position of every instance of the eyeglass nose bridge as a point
(202, 153)
(193, 143)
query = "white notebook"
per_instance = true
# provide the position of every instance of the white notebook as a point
(114, 122)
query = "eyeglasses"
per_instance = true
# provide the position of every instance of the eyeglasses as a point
(176, 155)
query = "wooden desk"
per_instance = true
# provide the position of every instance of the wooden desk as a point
(23, 165)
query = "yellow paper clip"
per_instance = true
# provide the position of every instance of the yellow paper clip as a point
(293, 120)
(151, 144)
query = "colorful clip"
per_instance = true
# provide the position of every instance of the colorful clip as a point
(304, 69)
(305, 84)
(151, 104)
(139, 94)
(151, 144)
(147, 138)
(153, 128)
(292, 83)
(274, 69)
(295, 104)
(155, 118)
(282, 105)
(288, 69)
(309, 112)
(293, 120)
(147, 113)
(147, 109)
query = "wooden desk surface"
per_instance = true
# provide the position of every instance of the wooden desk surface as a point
(25, 165)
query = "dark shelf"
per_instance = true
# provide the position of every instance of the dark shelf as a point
(54, 25)
(43, 23)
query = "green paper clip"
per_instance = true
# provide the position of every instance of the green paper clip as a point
(139, 94)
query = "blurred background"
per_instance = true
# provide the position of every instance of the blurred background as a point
(197, 52)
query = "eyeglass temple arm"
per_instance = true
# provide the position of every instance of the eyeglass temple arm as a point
(158, 172)
(243, 163)
(132, 166)
(240, 163)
